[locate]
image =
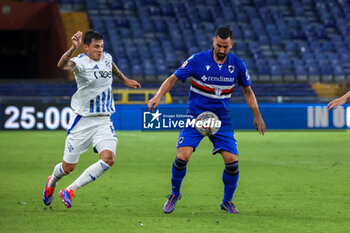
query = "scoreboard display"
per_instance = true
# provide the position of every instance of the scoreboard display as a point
(35, 117)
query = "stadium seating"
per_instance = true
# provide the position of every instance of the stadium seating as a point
(73, 22)
(285, 44)
(157, 36)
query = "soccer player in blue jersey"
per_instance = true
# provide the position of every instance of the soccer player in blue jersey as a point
(92, 105)
(214, 75)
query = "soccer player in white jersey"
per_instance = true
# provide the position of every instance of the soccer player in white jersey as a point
(92, 104)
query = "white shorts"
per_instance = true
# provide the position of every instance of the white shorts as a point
(82, 132)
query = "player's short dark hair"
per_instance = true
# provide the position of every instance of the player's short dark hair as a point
(90, 35)
(223, 33)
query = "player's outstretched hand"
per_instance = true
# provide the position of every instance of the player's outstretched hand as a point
(259, 124)
(132, 83)
(336, 103)
(153, 103)
(76, 39)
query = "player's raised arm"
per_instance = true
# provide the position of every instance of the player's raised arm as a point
(249, 96)
(64, 63)
(339, 101)
(164, 88)
(128, 82)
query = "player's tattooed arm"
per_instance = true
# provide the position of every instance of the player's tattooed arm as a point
(128, 82)
(64, 63)
(118, 73)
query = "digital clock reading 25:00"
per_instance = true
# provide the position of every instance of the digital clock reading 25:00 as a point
(35, 117)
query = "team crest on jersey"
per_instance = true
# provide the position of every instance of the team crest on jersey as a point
(108, 64)
(184, 64)
(231, 68)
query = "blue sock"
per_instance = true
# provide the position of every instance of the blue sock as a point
(178, 174)
(230, 179)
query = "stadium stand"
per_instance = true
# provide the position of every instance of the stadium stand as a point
(328, 89)
(73, 21)
(287, 45)
(278, 39)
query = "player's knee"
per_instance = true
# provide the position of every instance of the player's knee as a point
(231, 168)
(107, 157)
(109, 161)
(182, 157)
(179, 164)
(229, 158)
(68, 167)
(184, 153)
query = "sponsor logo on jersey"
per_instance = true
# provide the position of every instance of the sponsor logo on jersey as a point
(220, 66)
(217, 79)
(208, 67)
(95, 67)
(103, 74)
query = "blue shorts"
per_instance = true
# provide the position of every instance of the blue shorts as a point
(222, 140)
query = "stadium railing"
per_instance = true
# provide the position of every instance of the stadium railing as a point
(126, 96)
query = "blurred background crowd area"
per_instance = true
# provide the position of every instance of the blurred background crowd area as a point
(295, 50)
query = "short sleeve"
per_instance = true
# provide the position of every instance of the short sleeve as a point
(108, 57)
(78, 66)
(186, 69)
(244, 78)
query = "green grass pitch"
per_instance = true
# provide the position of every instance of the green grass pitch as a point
(289, 182)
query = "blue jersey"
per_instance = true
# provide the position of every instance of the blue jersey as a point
(212, 83)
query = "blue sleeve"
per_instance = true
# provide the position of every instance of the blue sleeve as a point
(243, 77)
(186, 70)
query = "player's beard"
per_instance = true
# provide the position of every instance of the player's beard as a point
(220, 56)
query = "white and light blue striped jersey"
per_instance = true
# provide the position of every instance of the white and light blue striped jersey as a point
(94, 81)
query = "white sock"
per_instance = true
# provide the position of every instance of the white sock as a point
(57, 174)
(90, 174)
